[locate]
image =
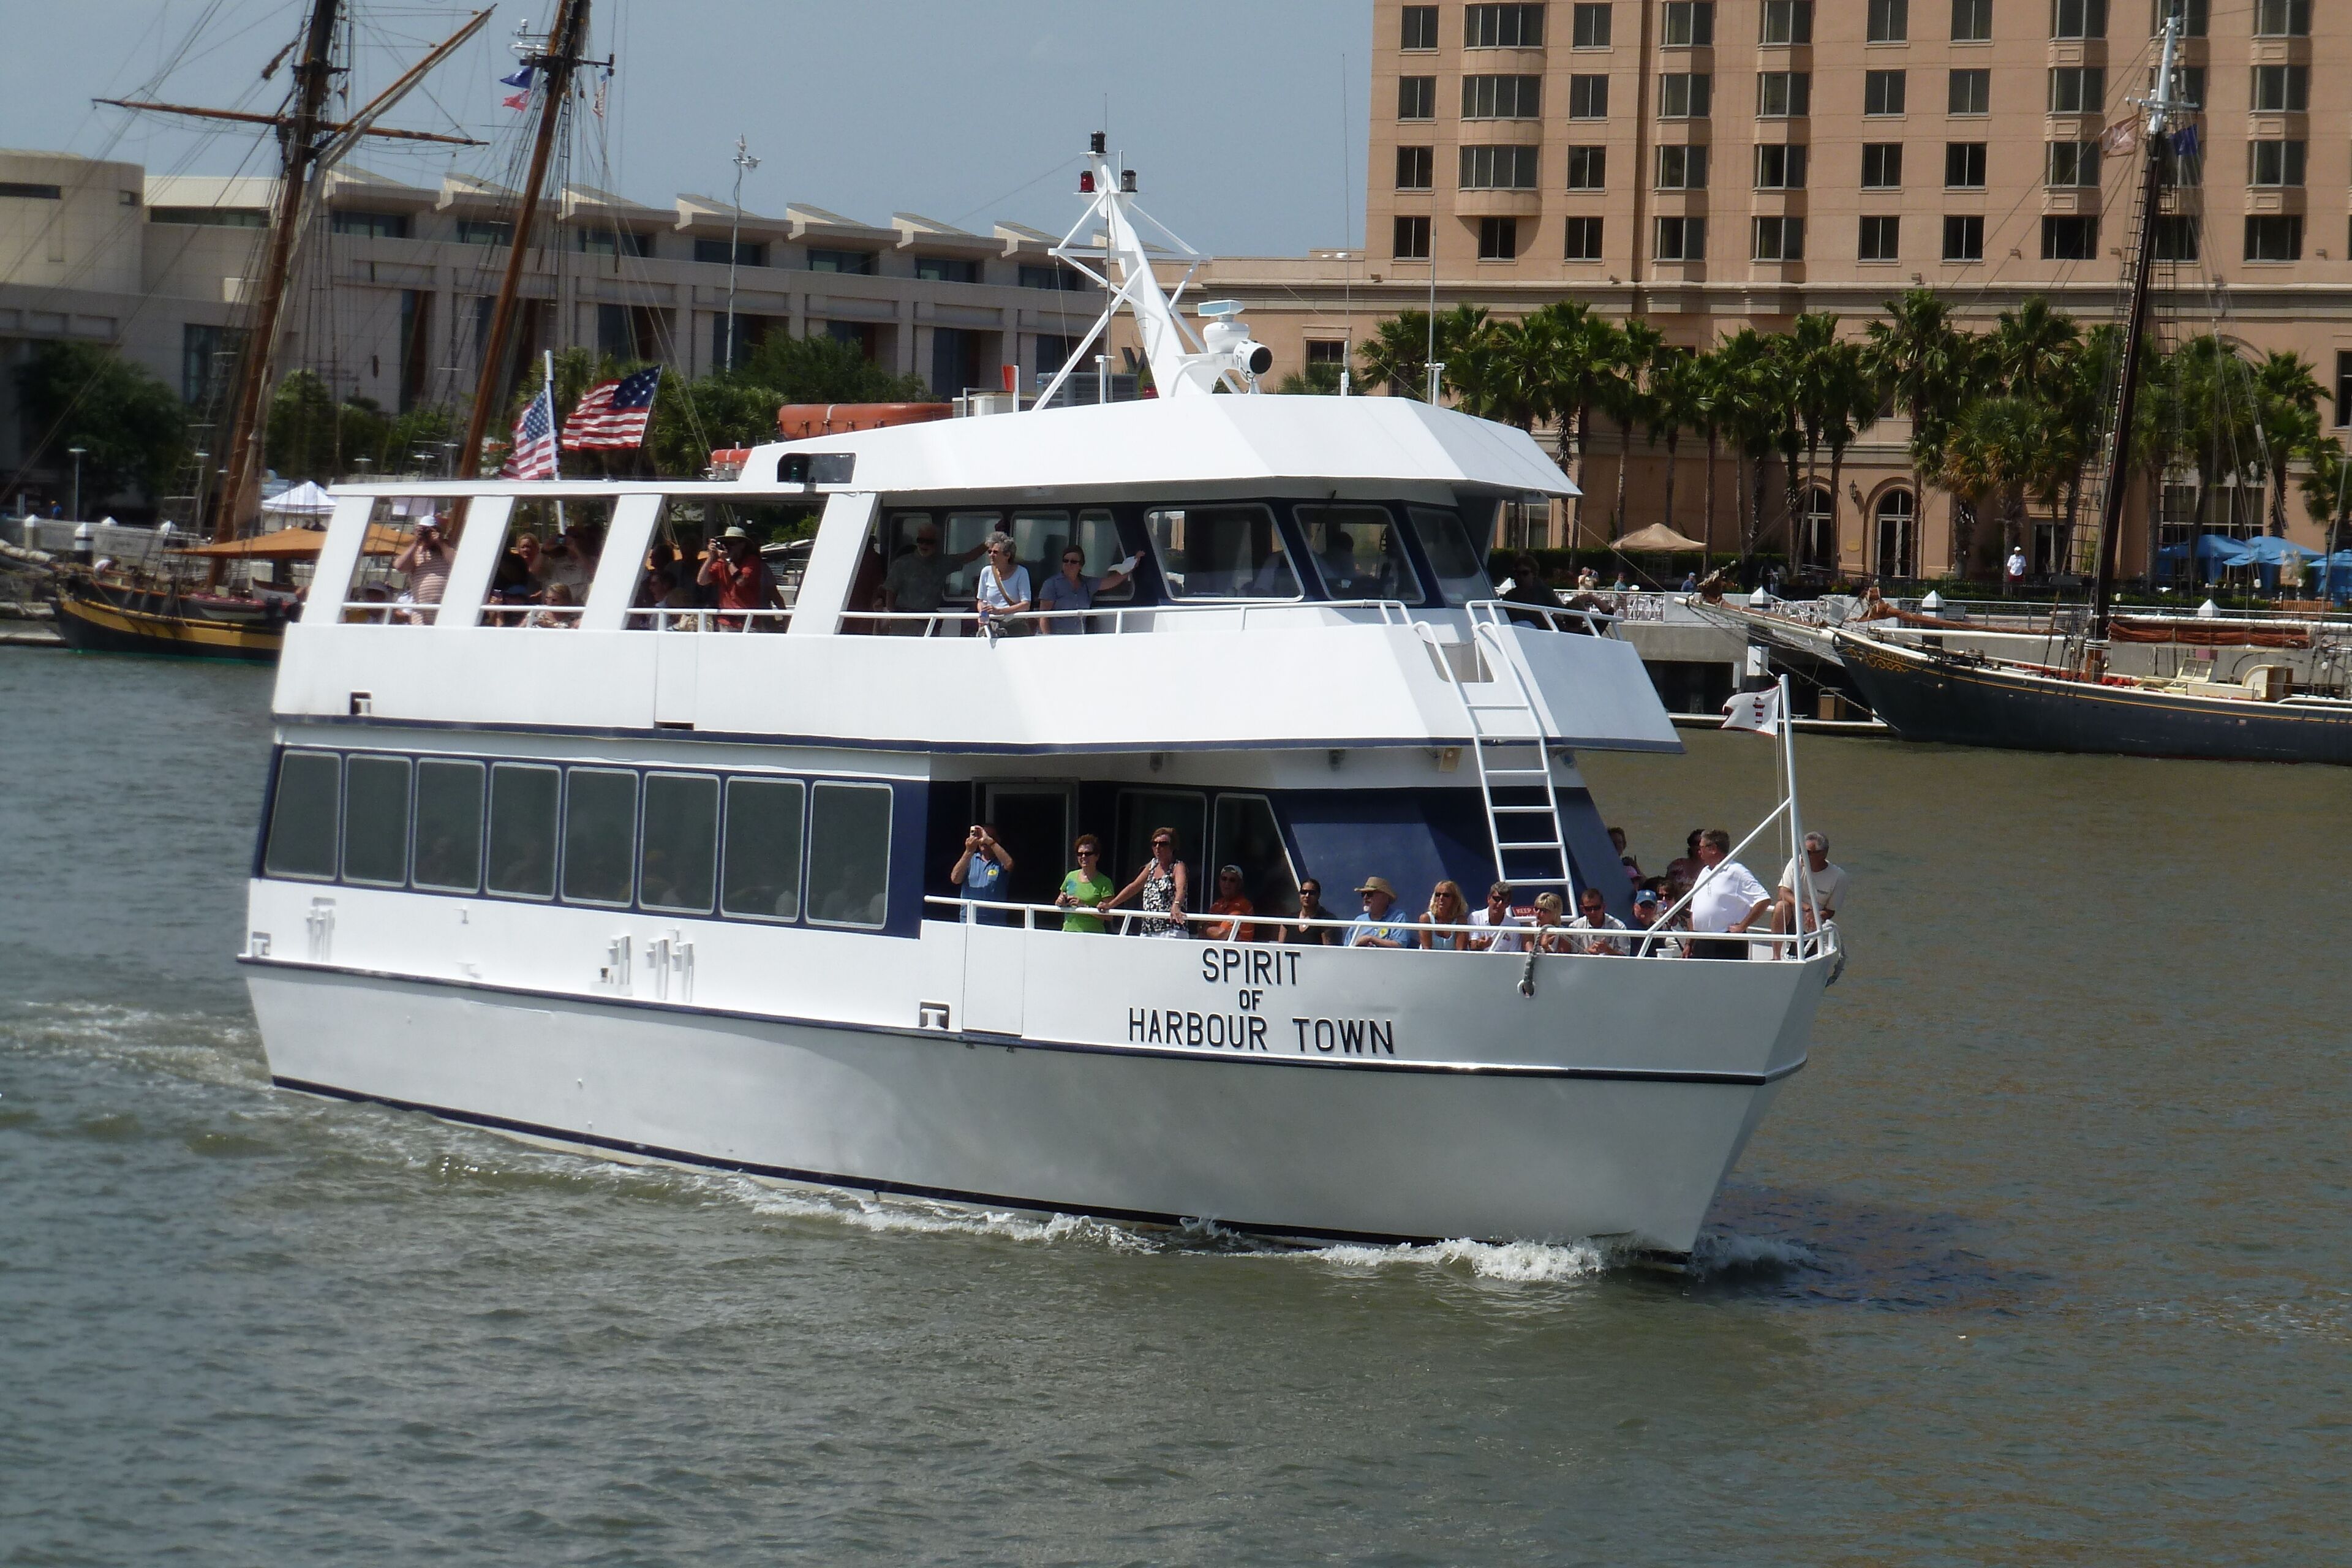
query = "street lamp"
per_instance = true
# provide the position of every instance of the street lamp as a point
(77, 452)
(743, 161)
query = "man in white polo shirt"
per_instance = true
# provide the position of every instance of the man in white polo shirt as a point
(1727, 900)
(1829, 887)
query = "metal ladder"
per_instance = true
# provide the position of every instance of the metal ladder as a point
(1512, 768)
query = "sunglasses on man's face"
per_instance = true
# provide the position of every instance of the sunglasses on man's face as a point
(1087, 854)
(1074, 560)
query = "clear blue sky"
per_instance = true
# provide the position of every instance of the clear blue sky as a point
(1245, 117)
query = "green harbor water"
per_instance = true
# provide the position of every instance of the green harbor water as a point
(2044, 1259)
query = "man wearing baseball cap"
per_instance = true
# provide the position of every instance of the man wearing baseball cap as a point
(1373, 928)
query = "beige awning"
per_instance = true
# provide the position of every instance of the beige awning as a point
(294, 544)
(1657, 539)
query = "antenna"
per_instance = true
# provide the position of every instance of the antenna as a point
(743, 161)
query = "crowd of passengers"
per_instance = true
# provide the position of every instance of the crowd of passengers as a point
(1706, 905)
(545, 583)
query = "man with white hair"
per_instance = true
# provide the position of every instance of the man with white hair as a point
(1829, 887)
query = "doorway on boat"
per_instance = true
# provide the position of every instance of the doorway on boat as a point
(1036, 823)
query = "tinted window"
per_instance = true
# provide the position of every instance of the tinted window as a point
(1143, 811)
(849, 856)
(1039, 539)
(1357, 553)
(1248, 837)
(762, 876)
(523, 830)
(1447, 544)
(600, 830)
(679, 862)
(449, 825)
(375, 820)
(1222, 553)
(302, 815)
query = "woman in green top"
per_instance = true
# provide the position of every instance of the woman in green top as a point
(1085, 888)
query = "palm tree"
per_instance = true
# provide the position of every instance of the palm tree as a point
(2217, 426)
(2328, 487)
(1918, 358)
(1676, 404)
(1753, 408)
(1627, 399)
(2286, 402)
(2029, 346)
(1711, 394)
(1396, 355)
(1584, 351)
(1991, 455)
(1850, 404)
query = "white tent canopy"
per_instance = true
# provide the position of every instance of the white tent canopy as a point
(305, 500)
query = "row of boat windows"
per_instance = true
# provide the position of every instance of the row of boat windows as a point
(669, 842)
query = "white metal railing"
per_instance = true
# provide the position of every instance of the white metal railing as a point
(1119, 618)
(1507, 612)
(657, 617)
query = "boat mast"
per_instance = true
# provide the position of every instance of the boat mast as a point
(299, 142)
(560, 58)
(2158, 106)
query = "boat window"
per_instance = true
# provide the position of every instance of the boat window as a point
(375, 820)
(382, 591)
(669, 596)
(1359, 553)
(303, 817)
(1141, 811)
(600, 823)
(449, 825)
(549, 559)
(849, 854)
(1447, 544)
(1040, 538)
(679, 861)
(1248, 837)
(523, 830)
(1222, 552)
(762, 876)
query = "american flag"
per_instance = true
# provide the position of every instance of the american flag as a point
(613, 415)
(533, 457)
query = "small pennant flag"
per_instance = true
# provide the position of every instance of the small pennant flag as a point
(612, 417)
(517, 101)
(2185, 142)
(2120, 139)
(1756, 711)
(533, 457)
(520, 79)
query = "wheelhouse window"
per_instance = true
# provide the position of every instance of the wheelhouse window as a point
(375, 821)
(304, 815)
(448, 853)
(849, 854)
(1222, 552)
(1040, 538)
(1461, 576)
(523, 798)
(761, 880)
(1248, 836)
(1359, 554)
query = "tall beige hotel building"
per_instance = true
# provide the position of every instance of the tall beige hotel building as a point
(1709, 165)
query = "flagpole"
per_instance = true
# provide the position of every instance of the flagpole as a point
(554, 433)
(1803, 862)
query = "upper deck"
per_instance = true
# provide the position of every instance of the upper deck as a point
(1304, 575)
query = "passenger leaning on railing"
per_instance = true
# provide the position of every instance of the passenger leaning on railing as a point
(1311, 907)
(1829, 882)
(1085, 889)
(1444, 910)
(1504, 928)
(1597, 932)
(1162, 886)
(1231, 900)
(1070, 590)
(1373, 928)
(917, 583)
(1727, 900)
(1004, 591)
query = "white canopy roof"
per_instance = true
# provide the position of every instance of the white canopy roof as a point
(1191, 440)
(305, 500)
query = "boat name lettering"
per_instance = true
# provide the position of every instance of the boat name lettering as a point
(1346, 1037)
(1250, 966)
(1181, 1026)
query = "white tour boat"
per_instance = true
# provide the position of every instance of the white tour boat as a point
(608, 876)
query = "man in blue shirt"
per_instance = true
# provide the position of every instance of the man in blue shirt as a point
(1373, 928)
(979, 871)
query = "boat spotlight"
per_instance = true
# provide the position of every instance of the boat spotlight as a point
(1228, 336)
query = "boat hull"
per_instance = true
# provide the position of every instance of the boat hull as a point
(1293, 1149)
(1957, 703)
(98, 626)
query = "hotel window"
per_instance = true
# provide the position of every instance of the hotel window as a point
(2343, 389)
(2071, 164)
(1964, 239)
(1889, 22)
(2274, 237)
(1786, 22)
(1417, 98)
(1680, 239)
(747, 253)
(2078, 19)
(1882, 92)
(1504, 27)
(2070, 238)
(1498, 168)
(1779, 239)
(1420, 28)
(2192, 15)
(1409, 240)
(1970, 93)
(849, 263)
(1881, 239)
(2190, 79)
(1588, 98)
(1416, 168)
(1783, 95)
(1780, 168)
(1499, 239)
(2077, 89)
(1682, 168)
(1587, 168)
(2281, 90)
(1882, 165)
(1972, 21)
(946, 270)
(2177, 238)
(1964, 165)
(1583, 240)
(2274, 162)
(1502, 97)
(1688, 25)
(1685, 95)
(386, 225)
(1589, 27)
(2282, 18)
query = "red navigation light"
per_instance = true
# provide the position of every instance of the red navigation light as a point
(1085, 182)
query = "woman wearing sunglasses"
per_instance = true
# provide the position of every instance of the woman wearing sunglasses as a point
(1070, 590)
(1085, 889)
(1160, 885)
